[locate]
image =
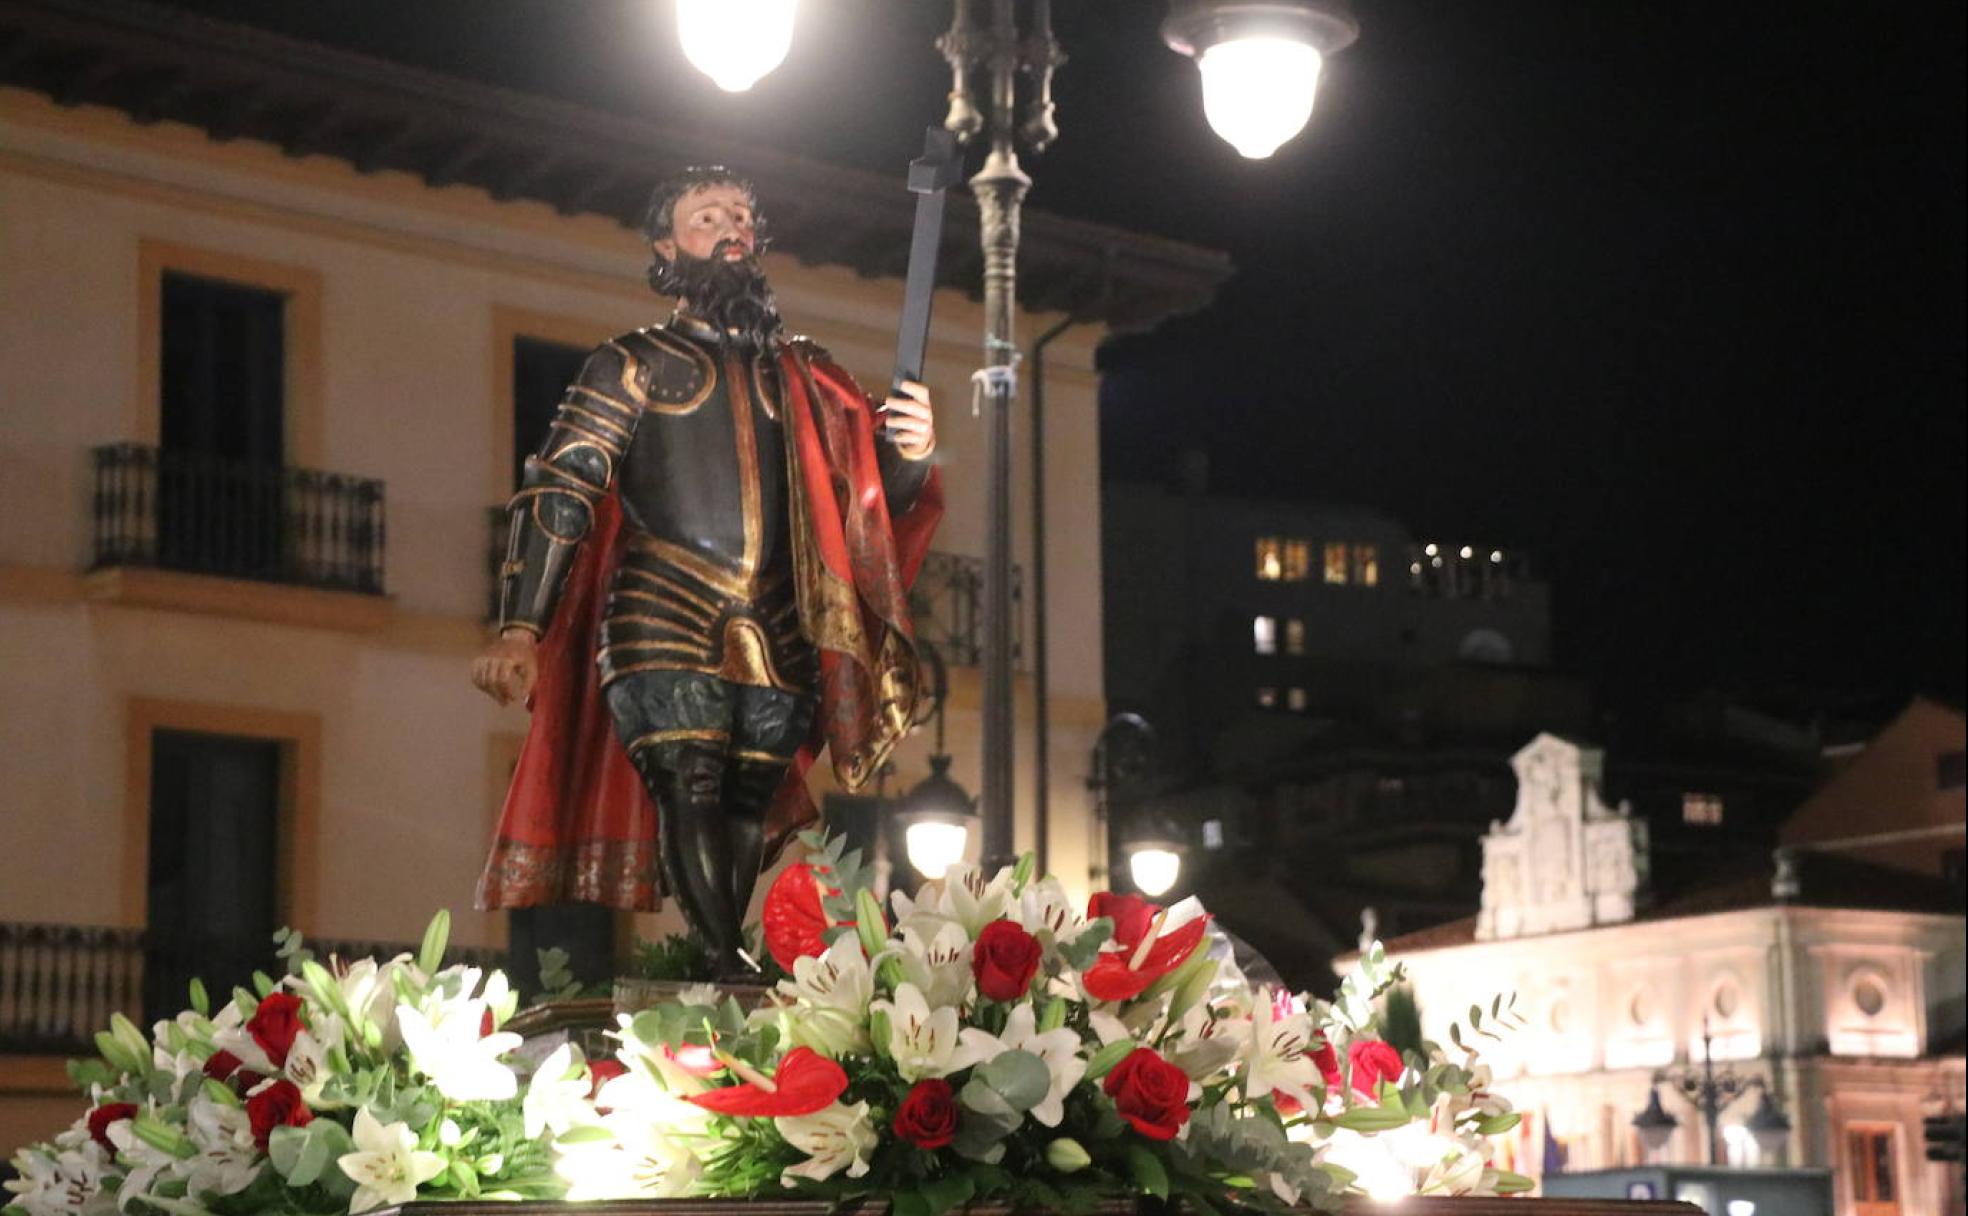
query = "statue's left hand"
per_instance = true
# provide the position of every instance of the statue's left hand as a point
(910, 421)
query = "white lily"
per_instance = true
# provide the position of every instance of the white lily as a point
(647, 1159)
(1046, 908)
(1060, 1049)
(144, 1163)
(557, 1096)
(937, 961)
(227, 1162)
(59, 1183)
(308, 1060)
(1278, 1054)
(387, 1166)
(444, 1043)
(830, 995)
(839, 1136)
(926, 1042)
(962, 895)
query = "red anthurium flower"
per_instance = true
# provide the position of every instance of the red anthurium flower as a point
(1117, 976)
(806, 1082)
(106, 1114)
(1131, 915)
(600, 1073)
(794, 920)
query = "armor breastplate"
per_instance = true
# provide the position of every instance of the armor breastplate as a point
(706, 470)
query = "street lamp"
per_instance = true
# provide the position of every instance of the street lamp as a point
(937, 814)
(735, 64)
(1260, 62)
(1711, 1093)
(1237, 41)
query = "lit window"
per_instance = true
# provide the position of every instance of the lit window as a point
(1270, 559)
(1264, 634)
(1298, 561)
(1212, 833)
(1366, 565)
(1702, 809)
(1869, 1164)
(1295, 700)
(1335, 563)
(1294, 636)
(1267, 698)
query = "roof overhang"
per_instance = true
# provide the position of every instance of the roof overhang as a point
(234, 82)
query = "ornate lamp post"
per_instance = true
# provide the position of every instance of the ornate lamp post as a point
(1711, 1093)
(1260, 61)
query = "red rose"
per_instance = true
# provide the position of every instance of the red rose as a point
(274, 1025)
(221, 1066)
(101, 1117)
(928, 1116)
(1005, 960)
(278, 1104)
(601, 1073)
(1131, 915)
(1373, 1062)
(1150, 1093)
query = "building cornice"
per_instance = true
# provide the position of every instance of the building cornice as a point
(233, 82)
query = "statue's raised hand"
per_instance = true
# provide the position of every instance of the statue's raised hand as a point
(508, 667)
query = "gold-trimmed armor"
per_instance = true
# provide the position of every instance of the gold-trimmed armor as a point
(687, 429)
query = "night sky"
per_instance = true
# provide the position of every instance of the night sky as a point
(1669, 295)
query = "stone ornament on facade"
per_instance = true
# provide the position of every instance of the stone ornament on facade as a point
(1565, 860)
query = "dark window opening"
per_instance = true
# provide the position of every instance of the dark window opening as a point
(542, 371)
(212, 886)
(1951, 770)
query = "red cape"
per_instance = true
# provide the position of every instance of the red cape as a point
(578, 825)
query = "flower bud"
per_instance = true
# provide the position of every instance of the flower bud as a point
(1066, 1155)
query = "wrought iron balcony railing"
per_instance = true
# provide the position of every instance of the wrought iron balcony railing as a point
(947, 601)
(178, 510)
(60, 983)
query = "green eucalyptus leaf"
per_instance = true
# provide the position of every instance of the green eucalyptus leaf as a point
(1020, 1077)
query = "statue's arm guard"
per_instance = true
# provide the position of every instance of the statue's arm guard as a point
(902, 478)
(574, 468)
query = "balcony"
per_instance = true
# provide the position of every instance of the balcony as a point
(60, 983)
(199, 514)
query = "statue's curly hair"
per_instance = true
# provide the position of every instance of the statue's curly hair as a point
(659, 217)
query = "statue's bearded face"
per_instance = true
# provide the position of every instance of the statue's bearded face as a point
(713, 266)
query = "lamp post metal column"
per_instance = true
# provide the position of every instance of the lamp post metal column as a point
(997, 49)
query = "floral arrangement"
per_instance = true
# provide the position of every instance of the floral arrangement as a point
(985, 1039)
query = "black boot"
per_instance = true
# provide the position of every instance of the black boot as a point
(697, 853)
(749, 784)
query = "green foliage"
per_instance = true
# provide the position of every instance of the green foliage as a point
(676, 959)
(1400, 1021)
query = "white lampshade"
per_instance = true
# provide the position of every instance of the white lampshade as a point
(735, 42)
(1154, 870)
(1257, 92)
(935, 845)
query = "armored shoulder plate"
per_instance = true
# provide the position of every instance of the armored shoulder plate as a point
(673, 374)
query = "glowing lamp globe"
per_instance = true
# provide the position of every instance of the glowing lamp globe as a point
(735, 42)
(1154, 870)
(1260, 62)
(936, 818)
(934, 846)
(1257, 92)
